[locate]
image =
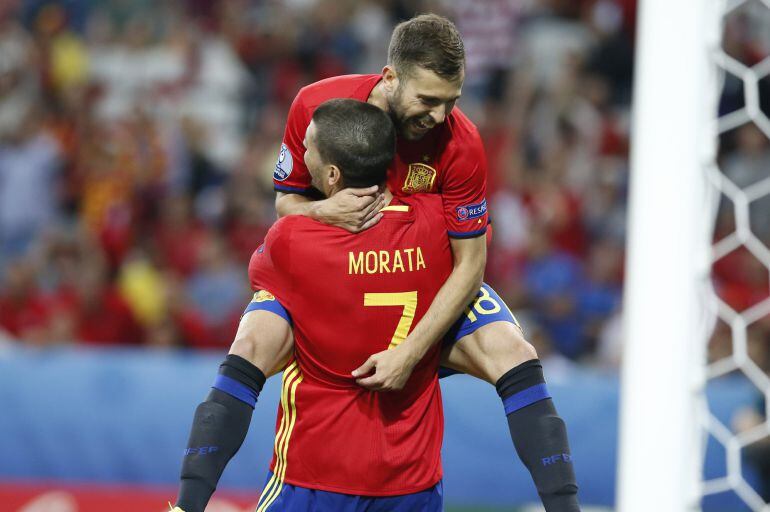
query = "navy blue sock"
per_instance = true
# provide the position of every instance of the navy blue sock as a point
(539, 435)
(219, 428)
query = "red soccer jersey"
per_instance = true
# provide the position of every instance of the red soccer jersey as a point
(350, 296)
(448, 160)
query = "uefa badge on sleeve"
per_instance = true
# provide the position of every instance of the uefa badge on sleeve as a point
(284, 164)
(471, 211)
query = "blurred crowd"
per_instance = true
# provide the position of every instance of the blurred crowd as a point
(137, 140)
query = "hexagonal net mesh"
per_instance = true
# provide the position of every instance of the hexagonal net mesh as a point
(739, 347)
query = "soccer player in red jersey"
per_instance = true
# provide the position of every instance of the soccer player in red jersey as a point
(338, 445)
(438, 151)
(350, 295)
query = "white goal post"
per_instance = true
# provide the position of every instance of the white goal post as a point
(674, 139)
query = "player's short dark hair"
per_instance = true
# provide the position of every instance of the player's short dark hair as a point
(358, 138)
(429, 41)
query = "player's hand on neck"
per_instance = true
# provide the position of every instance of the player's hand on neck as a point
(353, 209)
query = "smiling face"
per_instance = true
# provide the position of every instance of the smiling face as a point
(420, 100)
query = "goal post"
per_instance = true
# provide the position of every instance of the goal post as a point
(668, 258)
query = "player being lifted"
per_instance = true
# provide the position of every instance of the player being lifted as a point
(438, 151)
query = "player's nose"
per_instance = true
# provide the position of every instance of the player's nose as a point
(438, 114)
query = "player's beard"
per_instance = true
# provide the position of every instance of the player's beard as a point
(409, 127)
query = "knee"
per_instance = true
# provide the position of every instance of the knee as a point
(490, 352)
(246, 347)
(510, 345)
(269, 354)
(522, 349)
(265, 340)
(514, 356)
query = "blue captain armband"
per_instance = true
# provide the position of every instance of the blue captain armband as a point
(266, 301)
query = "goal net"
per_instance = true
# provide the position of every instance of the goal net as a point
(695, 387)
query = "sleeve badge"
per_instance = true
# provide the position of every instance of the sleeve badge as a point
(284, 165)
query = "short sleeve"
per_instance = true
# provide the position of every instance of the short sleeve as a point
(290, 174)
(464, 189)
(270, 265)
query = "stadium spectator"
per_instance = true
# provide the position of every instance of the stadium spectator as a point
(216, 290)
(598, 292)
(552, 278)
(96, 311)
(29, 165)
(19, 73)
(178, 236)
(490, 35)
(24, 311)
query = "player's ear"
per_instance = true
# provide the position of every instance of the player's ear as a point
(390, 78)
(333, 175)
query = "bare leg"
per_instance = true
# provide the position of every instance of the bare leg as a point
(498, 353)
(489, 352)
(265, 340)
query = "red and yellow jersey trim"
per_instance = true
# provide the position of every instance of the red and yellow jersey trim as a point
(292, 376)
(395, 208)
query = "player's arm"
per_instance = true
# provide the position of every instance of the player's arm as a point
(465, 216)
(393, 367)
(462, 285)
(262, 345)
(353, 209)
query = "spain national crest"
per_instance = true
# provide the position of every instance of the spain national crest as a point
(420, 178)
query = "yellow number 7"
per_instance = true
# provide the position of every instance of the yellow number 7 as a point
(406, 299)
